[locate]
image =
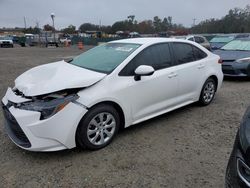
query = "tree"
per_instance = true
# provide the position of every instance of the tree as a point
(106, 29)
(131, 18)
(145, 27)
(119, 26)
(157, 24)
(71, 29)
(48, 27)
(31, 30)
(236, 21)
(88, 27)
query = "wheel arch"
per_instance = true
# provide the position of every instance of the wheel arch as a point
(116, 106)
(215, 78)
(118, 109)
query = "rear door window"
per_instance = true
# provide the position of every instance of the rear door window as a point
(183, 53)
(199, 54)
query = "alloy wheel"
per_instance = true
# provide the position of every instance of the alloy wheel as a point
(101, 128)
(209, 92)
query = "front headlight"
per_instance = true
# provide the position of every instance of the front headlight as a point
(243, 171)
(48, 107)
(243, 60)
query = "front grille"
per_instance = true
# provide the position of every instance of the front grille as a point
(14, 130)
(6, 45)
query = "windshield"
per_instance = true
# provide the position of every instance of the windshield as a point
(222, 39)
(5, 38)
(105, 58)
(241, 45)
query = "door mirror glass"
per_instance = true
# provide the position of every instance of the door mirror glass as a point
(143, 70)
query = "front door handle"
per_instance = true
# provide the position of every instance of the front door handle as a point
(201, 66)
(172, 75)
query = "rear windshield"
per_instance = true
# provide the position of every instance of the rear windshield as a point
(105, 58)
(240, 45)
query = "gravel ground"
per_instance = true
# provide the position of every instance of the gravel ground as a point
(185, 148)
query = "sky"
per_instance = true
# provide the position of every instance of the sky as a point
(106, 12)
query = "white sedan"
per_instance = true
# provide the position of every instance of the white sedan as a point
(84, 102)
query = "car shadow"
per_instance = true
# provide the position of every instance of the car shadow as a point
(169, 115)
(237, 79)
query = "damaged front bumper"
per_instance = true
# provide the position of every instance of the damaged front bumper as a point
(28, 131)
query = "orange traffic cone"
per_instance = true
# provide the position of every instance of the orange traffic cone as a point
(80, 45)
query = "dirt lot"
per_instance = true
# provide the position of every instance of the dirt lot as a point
(185, 148)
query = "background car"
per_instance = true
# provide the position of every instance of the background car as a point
(220, 40)
(238, 168)
(6, 42)
(65, 38)
(236, 58)
(84, 102)
(196, 38)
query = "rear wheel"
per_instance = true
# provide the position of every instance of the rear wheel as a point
(98, 127)
(208, 92)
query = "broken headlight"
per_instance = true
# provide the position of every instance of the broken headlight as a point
(49, 105)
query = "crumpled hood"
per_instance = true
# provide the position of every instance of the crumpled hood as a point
(54, 77)
(231, 55)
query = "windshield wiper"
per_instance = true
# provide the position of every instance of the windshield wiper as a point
(68, 60)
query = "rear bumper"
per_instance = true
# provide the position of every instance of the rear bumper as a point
(27, 131)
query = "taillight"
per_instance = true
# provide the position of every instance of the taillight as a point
(220, 61)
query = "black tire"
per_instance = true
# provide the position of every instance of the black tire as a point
(82, 139)
(231, 178)
(202, 100)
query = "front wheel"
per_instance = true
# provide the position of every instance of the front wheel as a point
(98, 127)
(208, 92)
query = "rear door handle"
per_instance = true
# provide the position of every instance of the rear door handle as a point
(201, 66)
(172, 74)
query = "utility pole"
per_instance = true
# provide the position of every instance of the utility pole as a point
(100, 24)
(53, 17)
(24, 19)
(194, 20)
(39, 38)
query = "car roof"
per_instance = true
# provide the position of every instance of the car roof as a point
(145, 41)
(187, 36)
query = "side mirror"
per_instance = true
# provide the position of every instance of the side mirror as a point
(143, 70)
